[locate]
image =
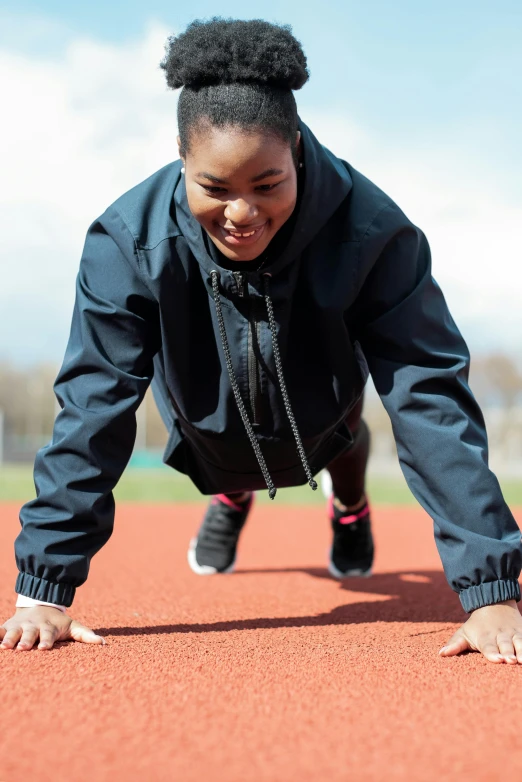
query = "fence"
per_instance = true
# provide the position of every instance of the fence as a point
(504, 435)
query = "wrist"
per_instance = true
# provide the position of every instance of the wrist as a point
(510, 603)
(23, 609)
(28, 602)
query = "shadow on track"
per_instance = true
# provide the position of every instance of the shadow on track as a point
(412, 596)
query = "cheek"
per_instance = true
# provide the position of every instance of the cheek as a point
(283, 206)
(286, 199)
(198, 206)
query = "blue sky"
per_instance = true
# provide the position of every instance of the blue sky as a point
(436, 65)
(424, 98)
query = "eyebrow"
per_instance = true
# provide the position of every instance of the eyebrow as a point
(264, 175)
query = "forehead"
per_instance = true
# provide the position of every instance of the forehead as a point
(233, 147)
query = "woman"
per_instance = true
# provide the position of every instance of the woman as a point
(258, 280)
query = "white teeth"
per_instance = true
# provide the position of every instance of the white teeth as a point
(242, 235)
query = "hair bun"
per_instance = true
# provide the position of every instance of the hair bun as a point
(228, 51)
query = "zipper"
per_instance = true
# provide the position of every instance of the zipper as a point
(240, 282)
(254, 329)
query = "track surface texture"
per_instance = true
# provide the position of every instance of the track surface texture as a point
(276, 673)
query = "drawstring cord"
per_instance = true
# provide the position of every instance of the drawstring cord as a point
(282, 384)
(243, 413)
(241, 407)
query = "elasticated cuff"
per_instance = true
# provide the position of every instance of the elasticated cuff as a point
(488, 594)
(40, 589)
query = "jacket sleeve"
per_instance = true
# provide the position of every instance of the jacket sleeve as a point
(419, 363)
(105, 372)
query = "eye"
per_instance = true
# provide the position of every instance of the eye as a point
(212, 188)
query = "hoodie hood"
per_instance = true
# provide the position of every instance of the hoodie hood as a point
(326, 184)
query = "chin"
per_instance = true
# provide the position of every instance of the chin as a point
(234, 256)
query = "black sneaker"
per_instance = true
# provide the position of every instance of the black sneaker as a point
(214, 549)
(352, 546)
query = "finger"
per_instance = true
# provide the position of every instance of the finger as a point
(11, 638)
(517, 643)
(490, 651)
(29, 636)
(80, 633)
(458, 643)
(47, 636)
(505, 647)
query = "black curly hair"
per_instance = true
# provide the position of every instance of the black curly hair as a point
(236, 73)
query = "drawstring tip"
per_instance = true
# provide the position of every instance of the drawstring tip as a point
(313, 484)
(272, 492)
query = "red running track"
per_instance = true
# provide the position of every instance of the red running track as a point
(276, 673)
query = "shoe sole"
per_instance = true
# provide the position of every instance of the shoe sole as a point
(204, 570)
(355, 573)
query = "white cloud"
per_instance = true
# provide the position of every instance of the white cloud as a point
(86, 126)
(472, 227)
(81, 131)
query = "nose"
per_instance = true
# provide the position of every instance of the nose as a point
(240, 212)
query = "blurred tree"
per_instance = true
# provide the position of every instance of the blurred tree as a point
(29, 405)
(496, 379)
(504, 377)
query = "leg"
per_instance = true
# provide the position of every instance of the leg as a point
(348, 471)
(352, 543)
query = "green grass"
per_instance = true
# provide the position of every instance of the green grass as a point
(166, 485)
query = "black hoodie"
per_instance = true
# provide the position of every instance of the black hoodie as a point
(350, 289)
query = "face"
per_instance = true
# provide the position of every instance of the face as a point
(240, 183)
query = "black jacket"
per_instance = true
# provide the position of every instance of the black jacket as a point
(351, 292)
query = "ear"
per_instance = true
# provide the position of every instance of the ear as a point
(298, 143)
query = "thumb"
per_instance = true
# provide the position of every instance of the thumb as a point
(458, 643)
(83, 634)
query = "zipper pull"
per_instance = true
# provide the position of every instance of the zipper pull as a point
(240, 282)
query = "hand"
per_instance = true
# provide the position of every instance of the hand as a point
(46, 622)
(494, 630)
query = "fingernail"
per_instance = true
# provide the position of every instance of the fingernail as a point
(444, 649)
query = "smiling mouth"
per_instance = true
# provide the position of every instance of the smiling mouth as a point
(243, 233)
(243, 237)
